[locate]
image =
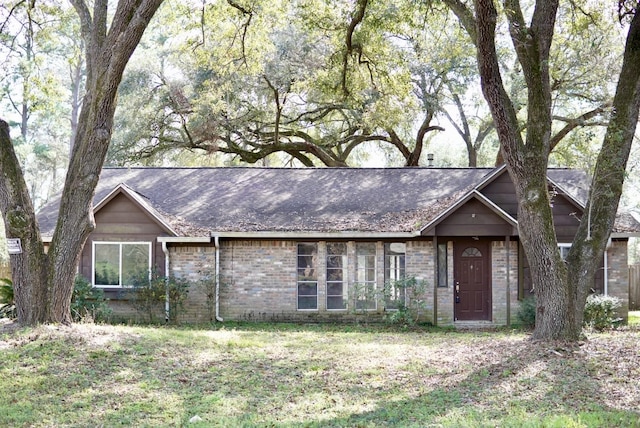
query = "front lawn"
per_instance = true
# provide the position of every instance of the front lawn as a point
(295, 376)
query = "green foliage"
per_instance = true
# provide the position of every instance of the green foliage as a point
(6, 290)
(88, 302)
(7, 306)
(362, 300)
(106, 274)
(178, 289)
(600, 312)
(207, 286)
(389, 378)
(411, 302)
(149, 295)
(526, 314)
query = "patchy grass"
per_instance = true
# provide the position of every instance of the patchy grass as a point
(634, 318)
(314, 376)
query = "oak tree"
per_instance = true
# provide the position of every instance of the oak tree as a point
(561, 288)
(43, 281)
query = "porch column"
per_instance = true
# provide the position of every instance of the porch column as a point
(435, 279)
(507, 248)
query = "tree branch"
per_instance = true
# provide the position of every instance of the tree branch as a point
(356, 19)
(465, 16)
(574, 123)
(245, 26)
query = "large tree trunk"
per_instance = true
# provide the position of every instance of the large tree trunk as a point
(45, 283)
(527, 160)
(597, 221)
(561, 289)
(29, 268)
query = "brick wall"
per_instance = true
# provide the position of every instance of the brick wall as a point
(445, 294)
(419, 263)
(618, 275)
(197, 265)
(504, 302)
(258, 280)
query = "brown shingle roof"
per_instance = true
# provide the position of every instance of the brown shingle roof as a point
(241, 199)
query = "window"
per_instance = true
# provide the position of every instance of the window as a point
(336, 275)
(471, 252)
(394, 259)
(442, 265)
(307, 276)
(115, 264)
(564, 250)
(365, 287)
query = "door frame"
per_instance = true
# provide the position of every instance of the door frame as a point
(484, 245)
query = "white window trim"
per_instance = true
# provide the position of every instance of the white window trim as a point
(387, 271)
(563, 245)
(119, 243)
(298, 282)
(344, 282)
(373, 282)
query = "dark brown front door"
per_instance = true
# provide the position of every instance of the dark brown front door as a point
(472, 292)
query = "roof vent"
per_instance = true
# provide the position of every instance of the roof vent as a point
(430, 160)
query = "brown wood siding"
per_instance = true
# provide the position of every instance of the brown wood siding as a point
(525, 283)
(121, 220)
(474, 219)
(565, 218)
(503, 193)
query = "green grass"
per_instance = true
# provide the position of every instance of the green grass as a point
(634, 318)
(314, 376)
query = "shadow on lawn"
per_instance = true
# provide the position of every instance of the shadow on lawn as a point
(165, 377)
(545, 385)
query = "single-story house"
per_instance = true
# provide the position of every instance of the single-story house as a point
(302, 244)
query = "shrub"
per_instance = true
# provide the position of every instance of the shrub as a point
(526, 313)
(600, 311)
(7, 306)
(208, 284)
(149, 295)
(88, 302)
(408, 311)
(362, 300)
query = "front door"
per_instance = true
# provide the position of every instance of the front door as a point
(472, 280)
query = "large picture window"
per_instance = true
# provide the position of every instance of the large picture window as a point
(307, 276)
(365, 287)
(336, 275)
(116, 264)
(394, 260)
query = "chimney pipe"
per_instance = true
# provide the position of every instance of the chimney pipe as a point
(430, 160)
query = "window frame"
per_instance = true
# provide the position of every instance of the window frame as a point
(120, 244)
(360, 270)
(442, 265)
(564, 248)
(400, 268)
(343, 281)
(306, 282)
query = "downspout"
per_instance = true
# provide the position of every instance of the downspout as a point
(606, 268)
(165, 250)
(216, 243)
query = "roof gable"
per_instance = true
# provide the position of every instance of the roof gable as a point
(472, 195)
(140, 202)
